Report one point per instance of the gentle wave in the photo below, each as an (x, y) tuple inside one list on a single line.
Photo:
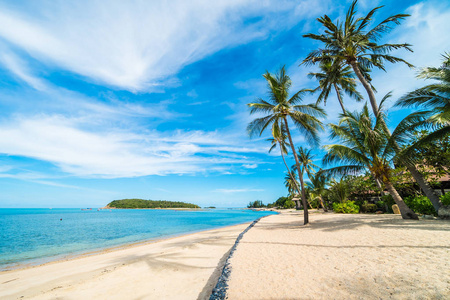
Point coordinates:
[(34, 236)]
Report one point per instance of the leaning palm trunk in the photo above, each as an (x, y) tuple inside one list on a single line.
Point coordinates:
[(418, 177), (425, 186), (297, 163), (367, 87), (339, 97), (344, 112), (322, 204), (405, 211)]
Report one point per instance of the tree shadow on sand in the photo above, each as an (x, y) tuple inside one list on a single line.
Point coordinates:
[(346, 222), (171, 257)]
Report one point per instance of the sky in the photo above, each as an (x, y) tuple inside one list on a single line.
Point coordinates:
[(105, 100)]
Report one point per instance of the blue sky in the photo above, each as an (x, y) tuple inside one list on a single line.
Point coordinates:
[(148, 99)]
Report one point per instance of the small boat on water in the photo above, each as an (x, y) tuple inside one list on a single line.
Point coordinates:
[(86, 209)]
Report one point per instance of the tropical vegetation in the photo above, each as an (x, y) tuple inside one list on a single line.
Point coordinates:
[(283, 108), (140, 203), (369, 168)]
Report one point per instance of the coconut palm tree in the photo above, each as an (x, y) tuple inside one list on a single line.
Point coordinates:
[(290, 182), (335, 76), (318, 186), (352, 43), (279, 138), (340, 77), (366, 145), (433, 101), (358, 47), (306, 159), (339, 189), (281, 107)]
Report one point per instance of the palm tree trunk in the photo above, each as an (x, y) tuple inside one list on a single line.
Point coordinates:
[(418, 177), (297, 163), (339, 98), (425, 186), (406, 212), (344, 112), (321, 203), (366, 85), (297, 205)]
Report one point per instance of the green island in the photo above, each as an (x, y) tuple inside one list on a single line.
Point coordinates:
[(141, 203)]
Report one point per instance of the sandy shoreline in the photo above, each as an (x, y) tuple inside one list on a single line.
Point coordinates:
[(335, 257), (342, 257), (34, 263), (184, 267)]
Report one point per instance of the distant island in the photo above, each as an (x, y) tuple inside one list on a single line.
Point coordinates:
[(140, 203)]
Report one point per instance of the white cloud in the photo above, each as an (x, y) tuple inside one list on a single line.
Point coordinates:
[(250, 166), (136, 45), (20, 70), (117, 153), (192, 94)]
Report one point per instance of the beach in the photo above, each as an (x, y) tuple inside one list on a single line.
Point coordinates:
[(336, 256), (341, 256), (185, 267)]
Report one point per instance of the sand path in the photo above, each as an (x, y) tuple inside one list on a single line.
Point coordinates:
[(342, 257), (185, 267)]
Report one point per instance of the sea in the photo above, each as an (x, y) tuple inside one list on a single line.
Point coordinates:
[(32, 236)]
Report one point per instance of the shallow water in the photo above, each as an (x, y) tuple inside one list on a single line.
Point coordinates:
[(33, 236)]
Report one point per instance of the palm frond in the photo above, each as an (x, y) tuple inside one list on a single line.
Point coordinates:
[(257, 126)]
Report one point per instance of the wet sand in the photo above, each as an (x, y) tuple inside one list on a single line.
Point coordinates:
[(185, 267)]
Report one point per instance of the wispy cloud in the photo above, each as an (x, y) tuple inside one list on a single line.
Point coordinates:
[(137, 45), (118, 153), (19, 68)]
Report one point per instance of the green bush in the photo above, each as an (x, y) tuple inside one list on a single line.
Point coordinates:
[(283, 202), (289, 204), (420, 205), (368, 207), (348, 207), (445, 199), (381, 205), (388, 201)]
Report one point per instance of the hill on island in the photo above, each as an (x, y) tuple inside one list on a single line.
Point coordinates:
[(140, 203)]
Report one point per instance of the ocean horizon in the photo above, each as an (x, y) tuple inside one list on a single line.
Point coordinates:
[(32, 236)]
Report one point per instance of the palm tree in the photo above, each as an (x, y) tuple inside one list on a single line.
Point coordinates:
[(358, 47), (279, 108), (335, 75), (290, 182), (340, 189), (306, 158), (340, 77), (352, 43), (318, 186), (279, 138), (434, 102), (365, 145)]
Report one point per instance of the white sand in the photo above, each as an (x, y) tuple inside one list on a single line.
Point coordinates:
[(342, 257), (185, 267), (335, 257)]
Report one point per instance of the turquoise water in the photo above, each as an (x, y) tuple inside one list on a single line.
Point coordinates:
[(32, 236)]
